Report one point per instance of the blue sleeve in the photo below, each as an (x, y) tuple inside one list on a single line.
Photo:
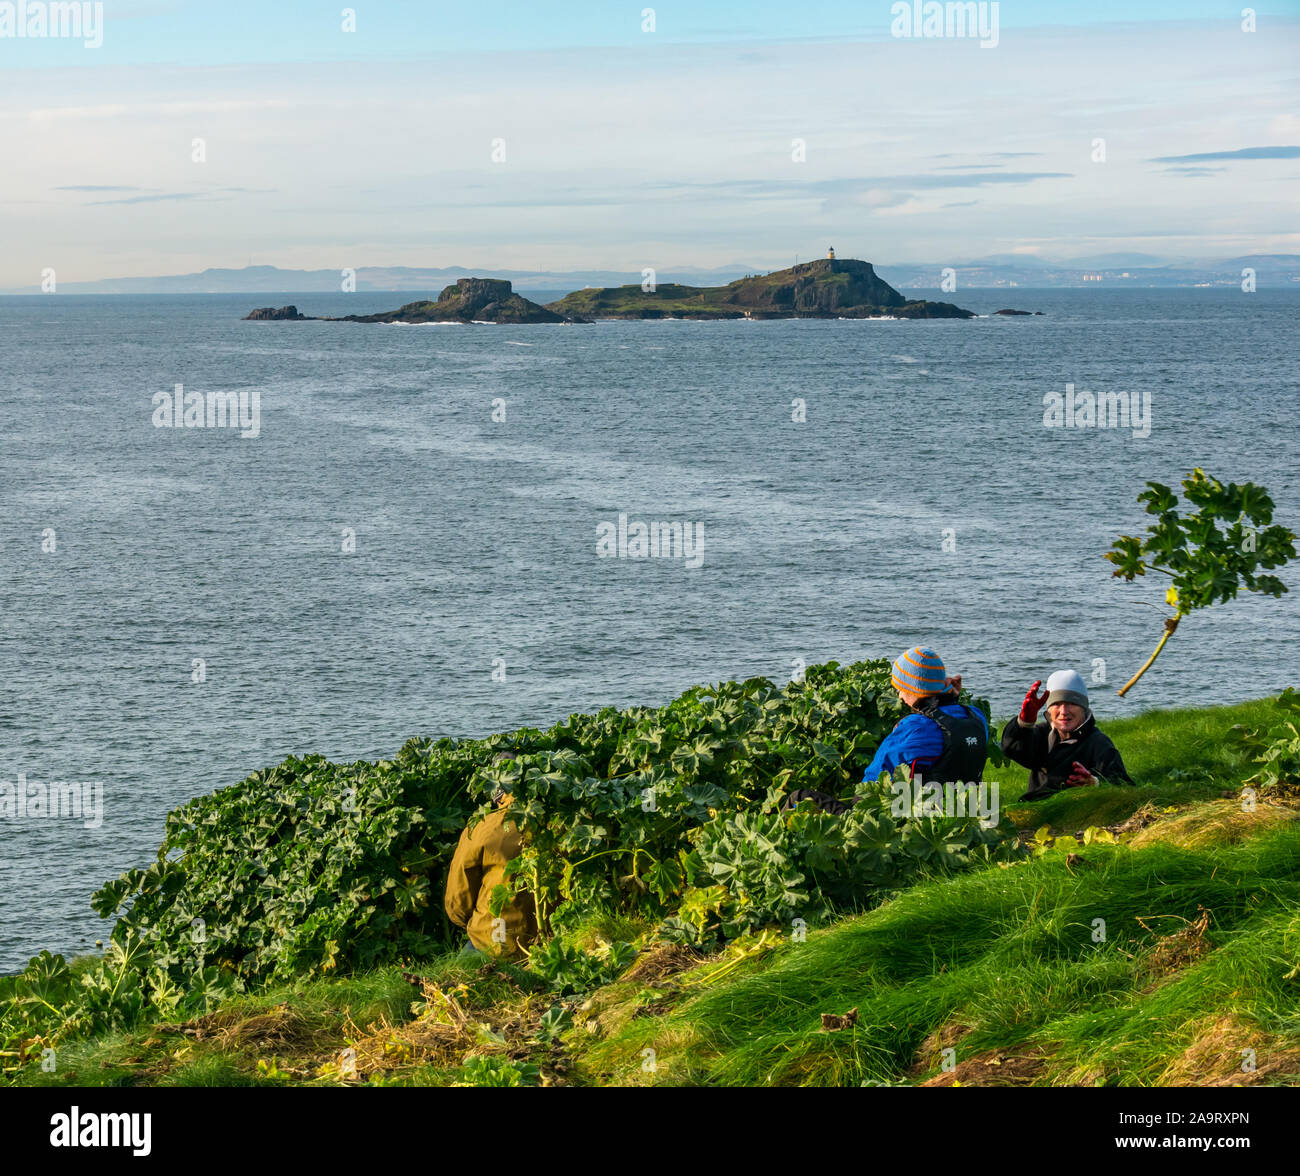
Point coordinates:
[(915, 737)]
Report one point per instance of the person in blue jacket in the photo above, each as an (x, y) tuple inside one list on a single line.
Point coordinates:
[(943, 740)]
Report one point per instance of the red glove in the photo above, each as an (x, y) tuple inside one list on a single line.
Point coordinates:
[(1079, 776), (1033, 704)]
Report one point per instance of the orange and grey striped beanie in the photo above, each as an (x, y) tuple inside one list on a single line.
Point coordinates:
[(920, 671)]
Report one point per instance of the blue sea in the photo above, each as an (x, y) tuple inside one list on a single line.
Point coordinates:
[(922, 500)]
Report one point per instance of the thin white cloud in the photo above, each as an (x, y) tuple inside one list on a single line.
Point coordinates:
[(670, 154)]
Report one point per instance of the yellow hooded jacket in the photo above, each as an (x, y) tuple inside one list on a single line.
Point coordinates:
[(479, 867)]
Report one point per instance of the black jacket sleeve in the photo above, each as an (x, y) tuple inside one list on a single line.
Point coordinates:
[(1023, 745)]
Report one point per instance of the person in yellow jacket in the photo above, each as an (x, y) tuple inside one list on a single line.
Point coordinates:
[(477, 868)]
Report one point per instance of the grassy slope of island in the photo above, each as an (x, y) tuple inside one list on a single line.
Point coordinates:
[(1001, 964), (827, 288)]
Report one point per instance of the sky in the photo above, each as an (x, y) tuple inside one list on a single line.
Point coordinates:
[(597, 134)]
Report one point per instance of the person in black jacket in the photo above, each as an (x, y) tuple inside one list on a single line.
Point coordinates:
[(1069, 750)]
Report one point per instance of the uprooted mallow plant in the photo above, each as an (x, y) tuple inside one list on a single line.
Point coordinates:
[(1208, 554)]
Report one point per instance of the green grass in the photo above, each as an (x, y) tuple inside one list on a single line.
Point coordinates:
[(669, 299), (1009, 956), (1002, 966)]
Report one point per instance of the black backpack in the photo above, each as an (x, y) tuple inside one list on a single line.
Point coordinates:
[(965, 746)]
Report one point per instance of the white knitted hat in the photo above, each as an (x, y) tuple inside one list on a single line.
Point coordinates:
[(1067, 686)]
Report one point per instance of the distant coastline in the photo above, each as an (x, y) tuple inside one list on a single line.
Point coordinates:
[(1120, 271)]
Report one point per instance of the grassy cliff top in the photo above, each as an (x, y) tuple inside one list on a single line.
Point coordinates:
[(1192, 967)]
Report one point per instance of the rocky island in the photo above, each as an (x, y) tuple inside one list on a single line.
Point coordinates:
[(470, 300), (826, 288), (270, 314)]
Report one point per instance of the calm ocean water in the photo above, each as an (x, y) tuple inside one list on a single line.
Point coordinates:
[(476, 539)]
